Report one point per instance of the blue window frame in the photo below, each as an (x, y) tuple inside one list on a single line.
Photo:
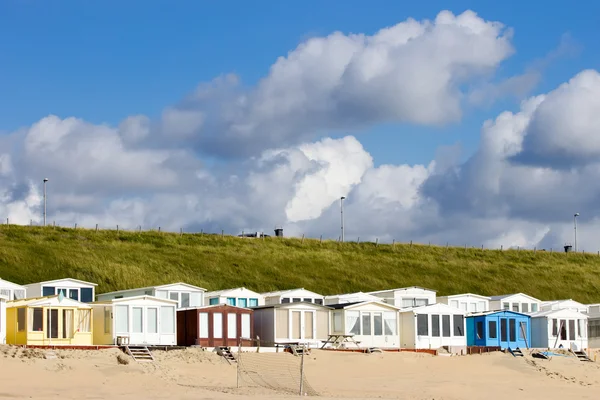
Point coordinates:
[(253, 302), (243, 302), (213, 301), (231, 301), (48, 291)]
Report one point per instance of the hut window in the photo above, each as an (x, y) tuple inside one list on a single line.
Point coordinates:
[(534, 307), (481, 306), (525, 307), (563, 329), (85, 320), (492, 330), (243, 302), (522, 330), (285, 300), (366, 324), (231, 301), (48, 291), (377, 324), (459, 324), (580, 327), (21, 322), (74, 294), (52, 317), (231, 326), (571, 329), (253, 302), (38, 319), (506, 306), (67, 324), (422, 325), (308, 300), (87, 295), (246, 325), (512, 329), (463, 306), (515, 307), (217, 325), (213, 301), (446, 325), (472, 307), (174, 296), (421, 302), (337, 322), (19, 294), (203, 328), (454, 303), (152, 319), (107, 320), (167, 320), (296, 300), (138, 320), (122, 319), (407, 302), (435, 325), (389, 323), (185, 300), (554, 327), (353, 322), (503, 328), (319, 301), (480, 333)]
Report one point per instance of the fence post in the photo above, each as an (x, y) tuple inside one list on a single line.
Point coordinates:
[(96, 227), (159, 229), (376, 242), (6, 221), (411, 243), (320, 239), (117, 228), (302, 241), (481, 247), (222, 233), (180, 231), (393, 244), (429, 244), (75, 225), (501, 247), (302, 370), (534, 250), (31, 222), (242, 233), (550, 249), (201, 232), (358, 240)]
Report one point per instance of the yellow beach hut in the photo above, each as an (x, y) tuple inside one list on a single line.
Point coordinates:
[(49, 321)]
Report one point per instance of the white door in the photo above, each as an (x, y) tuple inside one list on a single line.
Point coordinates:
[(137, 326), (152, 335)]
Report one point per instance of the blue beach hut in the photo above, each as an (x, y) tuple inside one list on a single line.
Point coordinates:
[(504, 329)]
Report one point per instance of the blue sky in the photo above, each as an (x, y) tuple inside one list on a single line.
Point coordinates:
[(103, 61)]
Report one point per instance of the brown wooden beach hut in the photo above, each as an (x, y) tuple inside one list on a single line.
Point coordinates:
[(213, 326)]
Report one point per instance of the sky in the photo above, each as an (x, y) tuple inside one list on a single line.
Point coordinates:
[(445, 122)]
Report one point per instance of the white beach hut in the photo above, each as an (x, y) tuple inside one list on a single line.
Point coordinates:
[(292, 296), (564, 305), (467, 302), (139, 320), (372, 323), (518, 302), (12, 291), (349, 298), (559, 329), (3, 300), (432, 327), (594, 326), (292, 323), (73, 289), (186, 295), (239, 297), (413, 296)]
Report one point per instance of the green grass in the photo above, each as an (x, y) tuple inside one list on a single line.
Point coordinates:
[(122, 260)]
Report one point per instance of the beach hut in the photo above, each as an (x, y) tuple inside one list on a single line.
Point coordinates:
[(186, 295), (372, 323), (12, 291), (292, 296), (50, 320), (518, 302), (559, 329), (504, 329), (472, 303), (564, 305), (73, 289), (594, 326), (3, 300), (413, 296), (139, 320), (432, 327), (214, 326), (240, 297), (349, 298), (292, 323)]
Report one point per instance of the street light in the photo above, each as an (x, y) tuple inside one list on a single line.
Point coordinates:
[(45, 181), (342, 215), (575, 228)]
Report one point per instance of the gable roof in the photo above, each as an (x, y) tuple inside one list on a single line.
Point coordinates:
[(403, 288), (134, 298), (9, 284), (355, 294), (217, 305), (463, 295), (62, 279), (433, 307), (47, 301), (287, 305), (159, 287), (284, 292), (361, 303), (220, 292), (566, 301), (506, 296), (487, 313), (559, 313)]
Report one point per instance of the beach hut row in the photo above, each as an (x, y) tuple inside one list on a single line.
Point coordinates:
[(69, 312)]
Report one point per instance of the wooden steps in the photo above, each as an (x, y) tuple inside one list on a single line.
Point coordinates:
[(139, 353), (226, 353), (516, 352), (581, 355)]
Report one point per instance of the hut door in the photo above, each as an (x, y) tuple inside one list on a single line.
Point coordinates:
[(308, 324), (152, 335), (137, 326), (503, 333), (52, 321), (296, 324)]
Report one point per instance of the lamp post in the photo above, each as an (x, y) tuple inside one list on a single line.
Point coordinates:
[(45, 181), (342, 215), (575, 228)]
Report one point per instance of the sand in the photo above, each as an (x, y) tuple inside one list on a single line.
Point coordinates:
[(196, 374)]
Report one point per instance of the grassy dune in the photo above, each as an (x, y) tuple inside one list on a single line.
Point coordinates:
[(121, 260)]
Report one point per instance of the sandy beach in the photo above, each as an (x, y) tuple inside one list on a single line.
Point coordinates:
[(197, 374)]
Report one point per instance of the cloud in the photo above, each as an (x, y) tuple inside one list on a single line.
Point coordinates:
[(410, 72)]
